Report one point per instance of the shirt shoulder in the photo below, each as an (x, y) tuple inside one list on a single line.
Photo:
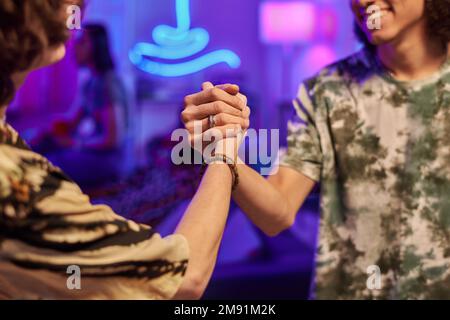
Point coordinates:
[(9, 136), (356, 68)]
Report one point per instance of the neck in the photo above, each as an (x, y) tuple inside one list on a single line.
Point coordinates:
[(2, 112), (414, 55)]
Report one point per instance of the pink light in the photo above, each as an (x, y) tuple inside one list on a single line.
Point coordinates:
[(315, 59), (328, 24), (287, 22)]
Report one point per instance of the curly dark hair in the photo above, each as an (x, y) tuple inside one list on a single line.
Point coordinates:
[(438, 19), (23, 24)]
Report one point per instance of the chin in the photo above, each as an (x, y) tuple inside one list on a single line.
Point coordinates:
[(380, 37)]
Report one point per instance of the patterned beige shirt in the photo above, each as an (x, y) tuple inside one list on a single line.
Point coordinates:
[(47, 224)]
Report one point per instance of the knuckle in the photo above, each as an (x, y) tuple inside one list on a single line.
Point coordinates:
[(242, 98), (183, 117), (246, 113), (229, 109), (187, 100), (220, 119), (188, 114), (215, 93), (222, 106), (234, 110), (216, 108)]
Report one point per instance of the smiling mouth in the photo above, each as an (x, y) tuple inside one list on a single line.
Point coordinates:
[(368, 14)]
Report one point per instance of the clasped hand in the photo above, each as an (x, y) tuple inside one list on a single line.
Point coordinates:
[(216, 118)]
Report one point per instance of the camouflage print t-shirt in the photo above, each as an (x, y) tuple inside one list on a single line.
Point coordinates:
[(381, 150), (54, 244)]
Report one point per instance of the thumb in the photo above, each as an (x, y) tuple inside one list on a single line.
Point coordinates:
[(207, 85)]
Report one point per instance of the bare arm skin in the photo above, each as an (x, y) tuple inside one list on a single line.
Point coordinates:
[(204, 221), (203, 225), (272, 204)]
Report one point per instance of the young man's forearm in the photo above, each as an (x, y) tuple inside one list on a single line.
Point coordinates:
[(261, 201), (202, 226), (272, 204)]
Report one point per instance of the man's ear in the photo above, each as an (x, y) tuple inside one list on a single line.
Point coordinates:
[(51, 56)]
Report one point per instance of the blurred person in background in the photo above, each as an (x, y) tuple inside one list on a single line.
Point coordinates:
[(374, 130), (48, 226), (91, 137)]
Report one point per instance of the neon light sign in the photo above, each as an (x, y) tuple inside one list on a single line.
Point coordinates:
[(179, 43)]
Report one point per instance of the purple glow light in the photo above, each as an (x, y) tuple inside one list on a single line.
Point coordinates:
[(287, 22)]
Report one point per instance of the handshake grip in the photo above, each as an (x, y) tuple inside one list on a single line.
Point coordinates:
[(229, 144)]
